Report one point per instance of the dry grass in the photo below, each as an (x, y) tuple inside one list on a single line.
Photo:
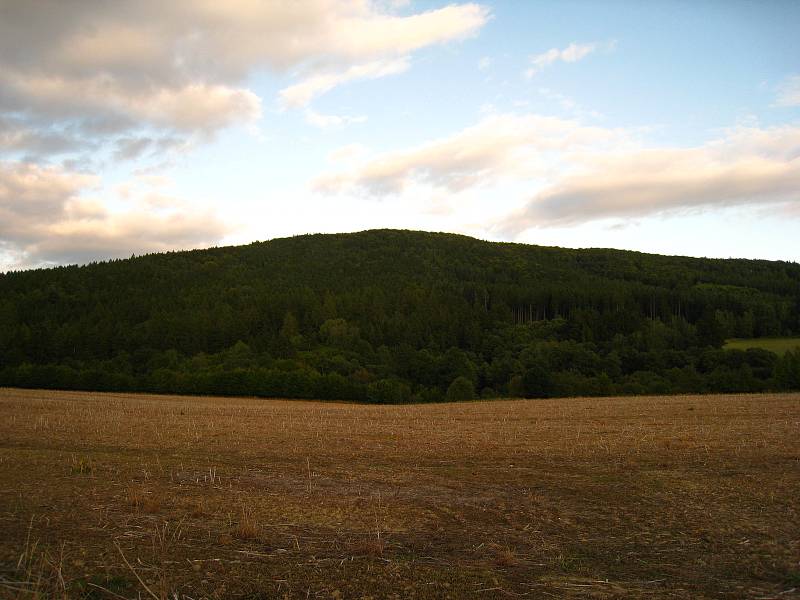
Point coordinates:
[(109, 495), (247, 528)]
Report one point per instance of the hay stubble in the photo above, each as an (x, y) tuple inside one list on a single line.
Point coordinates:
[(683, 497)]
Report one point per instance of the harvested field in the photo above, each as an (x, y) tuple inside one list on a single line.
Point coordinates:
[(114, 495)]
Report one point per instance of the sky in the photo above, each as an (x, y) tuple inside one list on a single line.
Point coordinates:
[(137, 126)]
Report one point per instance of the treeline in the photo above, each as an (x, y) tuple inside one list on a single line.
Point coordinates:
[(398, 316)]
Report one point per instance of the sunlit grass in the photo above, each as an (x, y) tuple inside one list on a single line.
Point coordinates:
[(774, 344)]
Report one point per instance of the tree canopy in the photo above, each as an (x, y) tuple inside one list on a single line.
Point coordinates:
[(399, 316)]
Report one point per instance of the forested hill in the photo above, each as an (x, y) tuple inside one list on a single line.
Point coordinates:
[(392, 316)]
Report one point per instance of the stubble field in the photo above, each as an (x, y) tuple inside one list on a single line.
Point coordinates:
[(114, 495)]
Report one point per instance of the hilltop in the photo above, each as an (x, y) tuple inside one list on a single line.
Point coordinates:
[(395, 316)]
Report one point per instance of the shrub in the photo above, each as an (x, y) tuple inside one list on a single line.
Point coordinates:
[(461, 389), (388, 391)]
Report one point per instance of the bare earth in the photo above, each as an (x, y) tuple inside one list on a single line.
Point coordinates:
[(648, 497)]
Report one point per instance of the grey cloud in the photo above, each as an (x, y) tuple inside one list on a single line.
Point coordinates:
[(181, 65), (21, 137), (130, 148), (168, 40), (35, 144), (134, 147), (87, 81)]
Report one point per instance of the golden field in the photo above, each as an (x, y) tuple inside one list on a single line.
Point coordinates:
[(137, 496)]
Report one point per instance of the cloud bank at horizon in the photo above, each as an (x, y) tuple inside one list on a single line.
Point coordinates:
[(86, 84), (586, 173)]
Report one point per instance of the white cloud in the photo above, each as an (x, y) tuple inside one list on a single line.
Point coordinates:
[(568, 104), (30, 194), (300, 94), (572, 53), (331, 121), (220, 41), (86, 83), (498, 146), (193, 107), (484, 63), (747, 167), (48, 215), (348, 153), (577, 173), (789, 92), (110, 68)]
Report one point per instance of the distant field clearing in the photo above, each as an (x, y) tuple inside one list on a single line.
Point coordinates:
[(120, 495), (777, 345)]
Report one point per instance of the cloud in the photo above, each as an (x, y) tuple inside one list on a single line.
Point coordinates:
[(498, 146), (107, 69), (577, 173), (16, 137), (749, 166), (192, 107), (30, 194), (87, 83), (789, 92), (300, 94), (48, 215), (568, 104), (347, 153), (136, 146), (572, 53), (331, 121)]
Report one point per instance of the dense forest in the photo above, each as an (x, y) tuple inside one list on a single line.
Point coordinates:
[(399, 316)]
